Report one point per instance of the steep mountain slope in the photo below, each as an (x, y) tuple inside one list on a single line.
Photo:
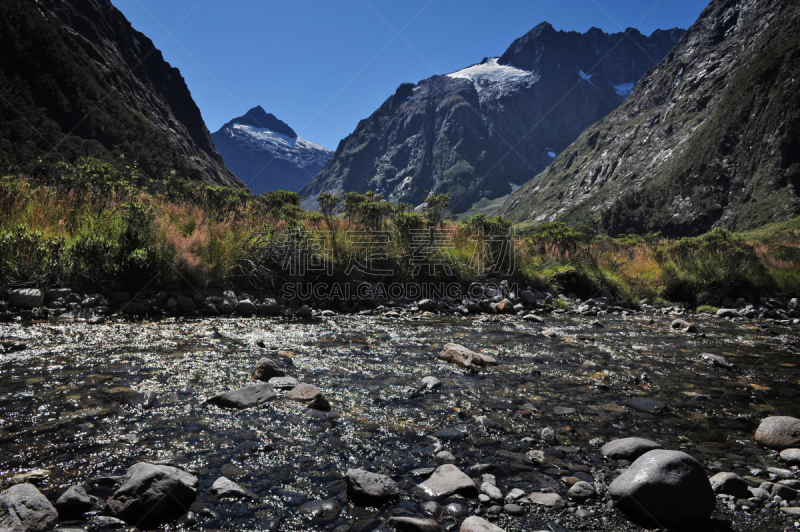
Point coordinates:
[(479, 132), (76, 79), (266, 154), (711, 137)]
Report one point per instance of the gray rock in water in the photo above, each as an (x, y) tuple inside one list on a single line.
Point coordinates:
[(779, 432), (224, 488), (728, 313), (27, 298), (628, 448), (478, 524), (247, 397), (466, 358), (549, 500), (320, 510), (791, 456), (715, 360), (665, 486), (151, 495), (447, 480), (427, 304), (513, 509), (729, 484), (24, 509), (283, 383), (309, 395), (492, 491), (683, 326), (581, 491), (532, 317), (645, 404), (430, 382), (245, 307), (445, 456), (413, 524), (370, 489), (266, 369), (149, 398), (304, 312), (73, 502)]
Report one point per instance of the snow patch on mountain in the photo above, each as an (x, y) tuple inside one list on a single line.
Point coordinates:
[(624, 90), (490, 71), (276, 139)]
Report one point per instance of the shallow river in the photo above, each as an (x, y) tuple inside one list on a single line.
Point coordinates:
[(70, 404)]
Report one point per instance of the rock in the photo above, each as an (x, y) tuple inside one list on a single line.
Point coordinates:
[(728, 313), (513, 509), (34, 476), (151, 495), (478, 524), (549, 500), (461, 356), (779, 432), (492, 491), (505, 307), (430, 382), (581, 490), (791, 456), (73, 502), (245, 307), (413, 524), (715, 360), (225, 488), (283, 383), (370, 489), (729, 484), (266, 369), (683, 326), (447, 480), (310, 395), (628, 448), (664, 486), (644, 404), (24, 509), (304, 312), (149, 398), (269, 307), (320, 510), (532, 317), (445, 456), (427, 305), (548, 435), (186, 304), (28, 298), (247, 397)]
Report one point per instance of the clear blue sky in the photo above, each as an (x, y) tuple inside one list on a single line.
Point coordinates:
[(323, 65)]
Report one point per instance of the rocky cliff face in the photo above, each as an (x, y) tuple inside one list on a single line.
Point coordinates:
[(478, 133), (711, 137), (266, 154), (77, 80)]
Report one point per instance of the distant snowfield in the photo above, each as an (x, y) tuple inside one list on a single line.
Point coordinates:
[(276, 139), (624, 90), (491, 71)]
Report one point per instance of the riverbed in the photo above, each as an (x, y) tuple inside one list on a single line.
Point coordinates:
[(71, 404)]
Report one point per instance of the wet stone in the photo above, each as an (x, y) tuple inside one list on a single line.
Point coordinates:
[(644, 404), (310, 396), (478, 524), (24, 509), (370, 489), (320, 510), (73, 502), (266, 369), (283, 383), (466, 358), (628, 448), (225, 488), (779, 432), (413, 524), (791, 456), (448, 480), (246, 397), (581, 491), (549, 500), (430, 383), (513, 509)]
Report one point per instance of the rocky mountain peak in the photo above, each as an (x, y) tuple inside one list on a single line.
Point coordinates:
[(259, 118)]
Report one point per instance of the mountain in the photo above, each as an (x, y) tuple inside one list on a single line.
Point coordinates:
[(478, 133), (266, 154), (77, 80), (709, 138)]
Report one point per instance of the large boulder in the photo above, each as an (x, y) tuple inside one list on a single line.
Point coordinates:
[(151, 495), (26, 298), (628, 448), (447, 480), (664, 486), (479, 524), (466, 358), (370, 489), (309, 395), (24, 509), (779, 432), (247, 397)]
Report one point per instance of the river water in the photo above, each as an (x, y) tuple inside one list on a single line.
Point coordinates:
[(70, 404)]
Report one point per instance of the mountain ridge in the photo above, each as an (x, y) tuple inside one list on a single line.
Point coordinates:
[(709, 138), (469, 133)]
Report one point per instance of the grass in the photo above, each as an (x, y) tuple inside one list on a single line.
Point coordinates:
[(99, 229)]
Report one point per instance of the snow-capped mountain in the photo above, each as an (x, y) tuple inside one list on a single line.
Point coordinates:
[(479, 132), (266, 154)]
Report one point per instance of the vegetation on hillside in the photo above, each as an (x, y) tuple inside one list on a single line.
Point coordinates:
[(102, 229)]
